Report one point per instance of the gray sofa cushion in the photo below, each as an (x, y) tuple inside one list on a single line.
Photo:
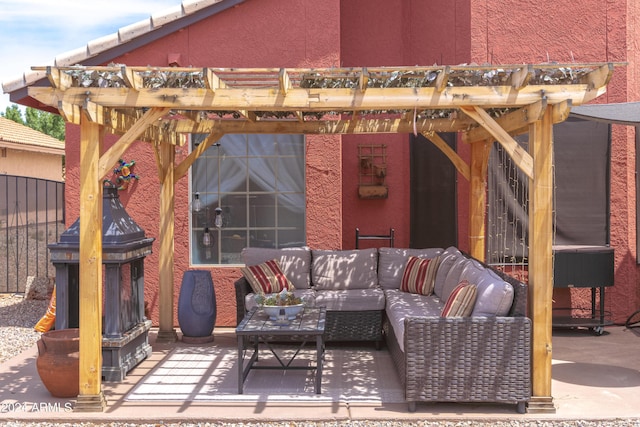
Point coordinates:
[(392, 261), (495, 296), (339, 270), (295, 262), (447, 258), (453, 277), (401, 305), (351, 299)]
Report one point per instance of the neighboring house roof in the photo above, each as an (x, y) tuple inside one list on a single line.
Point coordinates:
[(104, 49), (20, 137)]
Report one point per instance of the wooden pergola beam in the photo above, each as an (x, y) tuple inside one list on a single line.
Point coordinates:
[(442, 79), (520, 157), (356, 125), (363, 79), (58, 79), (478, 198), (115, 152), (92, 110), (520, 77), (318, 99), (166, 331), (599, 77), (69, 112), (91, 397), (182, 169), (118, 122), (284, 81), (131, 78), (541, 262), (212, 80), (560, 112), (510, 122)]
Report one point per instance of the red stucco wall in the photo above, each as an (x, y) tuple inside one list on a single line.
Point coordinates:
[(375, 33), (308, 33)]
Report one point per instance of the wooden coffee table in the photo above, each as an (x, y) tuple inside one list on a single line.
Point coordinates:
[(256, 328)]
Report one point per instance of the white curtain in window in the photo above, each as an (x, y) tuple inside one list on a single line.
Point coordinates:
[(263, 171)]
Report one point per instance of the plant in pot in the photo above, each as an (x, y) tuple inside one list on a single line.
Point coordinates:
[(281, 306)]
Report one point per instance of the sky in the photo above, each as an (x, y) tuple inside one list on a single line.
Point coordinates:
[(34, 32)]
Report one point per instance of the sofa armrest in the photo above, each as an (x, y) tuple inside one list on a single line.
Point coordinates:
[(468, 359), (519, 307), (242, 290)]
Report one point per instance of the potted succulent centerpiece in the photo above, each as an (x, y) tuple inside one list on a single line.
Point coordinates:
[(281, 306)]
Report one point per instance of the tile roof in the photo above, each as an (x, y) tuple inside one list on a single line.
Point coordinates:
[(126, 34), (20, 137)]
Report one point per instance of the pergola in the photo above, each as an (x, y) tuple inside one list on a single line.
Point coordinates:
[(162, 105)]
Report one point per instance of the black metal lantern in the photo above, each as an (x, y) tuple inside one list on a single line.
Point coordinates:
[(125, 341)]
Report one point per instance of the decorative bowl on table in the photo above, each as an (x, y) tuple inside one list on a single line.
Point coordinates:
[(277, 312), (281, 306)]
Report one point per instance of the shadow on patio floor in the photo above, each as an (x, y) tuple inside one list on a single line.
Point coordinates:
[(594, 378)]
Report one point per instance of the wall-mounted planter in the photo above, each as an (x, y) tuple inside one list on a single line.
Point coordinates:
[(373, 191)]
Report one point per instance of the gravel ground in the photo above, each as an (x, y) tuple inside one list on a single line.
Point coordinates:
[(18, 317), (470, 423)]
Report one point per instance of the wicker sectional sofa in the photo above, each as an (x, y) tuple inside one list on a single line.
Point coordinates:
[(345, 282), (484, 357)]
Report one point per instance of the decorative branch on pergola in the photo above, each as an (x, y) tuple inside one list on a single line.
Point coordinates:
[(334, 100)]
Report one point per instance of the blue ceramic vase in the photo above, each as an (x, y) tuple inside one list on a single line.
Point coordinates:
[(197, 304)]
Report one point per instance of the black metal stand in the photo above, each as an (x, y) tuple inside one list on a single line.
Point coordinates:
[(584, 267)]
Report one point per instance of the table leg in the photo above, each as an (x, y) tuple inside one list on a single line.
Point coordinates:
[(242, 370), (319, 361), (240, 363)]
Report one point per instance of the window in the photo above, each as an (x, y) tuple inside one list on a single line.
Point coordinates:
[(254, 185)]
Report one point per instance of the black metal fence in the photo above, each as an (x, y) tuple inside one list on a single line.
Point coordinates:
[(31, 217)]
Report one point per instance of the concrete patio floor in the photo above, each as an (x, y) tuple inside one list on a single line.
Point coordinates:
[(595, 378)]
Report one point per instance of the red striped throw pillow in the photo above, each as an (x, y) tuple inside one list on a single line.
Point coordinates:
[(418, 276), (267, 277), (461, 301)]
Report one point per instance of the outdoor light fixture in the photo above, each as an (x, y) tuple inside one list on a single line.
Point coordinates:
[(207, 242), (207, 239), (196, 206), (218, 220)]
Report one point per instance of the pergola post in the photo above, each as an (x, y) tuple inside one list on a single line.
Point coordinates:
[(166, 332), (478, 198), (541, 261), (91, 397)]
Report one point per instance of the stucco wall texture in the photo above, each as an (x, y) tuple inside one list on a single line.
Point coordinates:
[(33, 165), (308, 33)]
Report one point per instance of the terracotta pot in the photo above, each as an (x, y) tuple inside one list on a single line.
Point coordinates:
[(58, 364)]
